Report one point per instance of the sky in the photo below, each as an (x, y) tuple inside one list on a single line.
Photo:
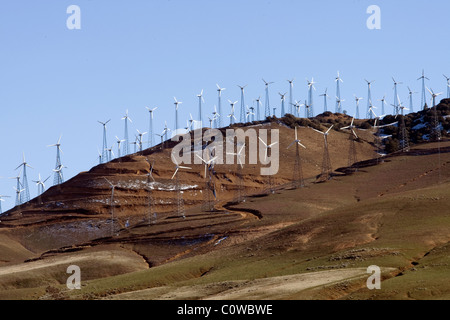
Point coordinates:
[(128, 55)]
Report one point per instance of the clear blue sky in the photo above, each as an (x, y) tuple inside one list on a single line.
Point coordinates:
[(133, 54)]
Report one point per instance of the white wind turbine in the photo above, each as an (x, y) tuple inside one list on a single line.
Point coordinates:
[(296, 140), (112, 204), (177, 167), (240, 187), (383, 102), (448, 86), (357, 99), (150, 126), (180, 203), (267, 147), (57, 179), (326, 162), (119, 142), (140, 136), (200, 100), (248, 114), (218, 119), (41, 184), (338, 104), (231, 115), (325, 96), (176, 103), (125, 145)]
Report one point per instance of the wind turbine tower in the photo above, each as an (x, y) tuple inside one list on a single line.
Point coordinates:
[(291, 101), (423, 95), (396, 99), (310, 98), (357, 106), (179, 210), (327, 170), (58, 178), (176, 103), (435, 130), (411, 107), (325, 96), (219, 119), (297, 177), (25, 188), (150, 127), (127, 142), (105, 143), (383, 102), (267, 103), (200, 100), (338, 107), (258, 108), (352, 155), (448, 86), (283, 99), (369, 98), (242, 114)]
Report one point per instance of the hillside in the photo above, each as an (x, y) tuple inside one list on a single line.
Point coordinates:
[(320, 238)]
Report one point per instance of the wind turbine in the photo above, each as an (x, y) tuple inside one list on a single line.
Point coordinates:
[(267, 103), (310, 98), (423, 96), (58, 171), (150, 126), (150, 197), (200, 100), (112, 205), (19, 200), (248, 114), (41, 184), (239, 196), (338, 93), (26, 190), (119, 142), (242, 113), (396, 99), (326, 173), (403, 139), (338, 104), (411, 99), (17, 188), (297, 177), (291, 86), (140, 136), (325, 96), (436, 132), (357, 106), (448, 86), (176, 103), (180, 203), (352, 155), (231, 115), (57, 178), (125, 145), (283, 99), (267, 147), (369, 97), (105, 144), (383, 102), (258, 107), (218, 119), (371, 113), (297, 106)]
